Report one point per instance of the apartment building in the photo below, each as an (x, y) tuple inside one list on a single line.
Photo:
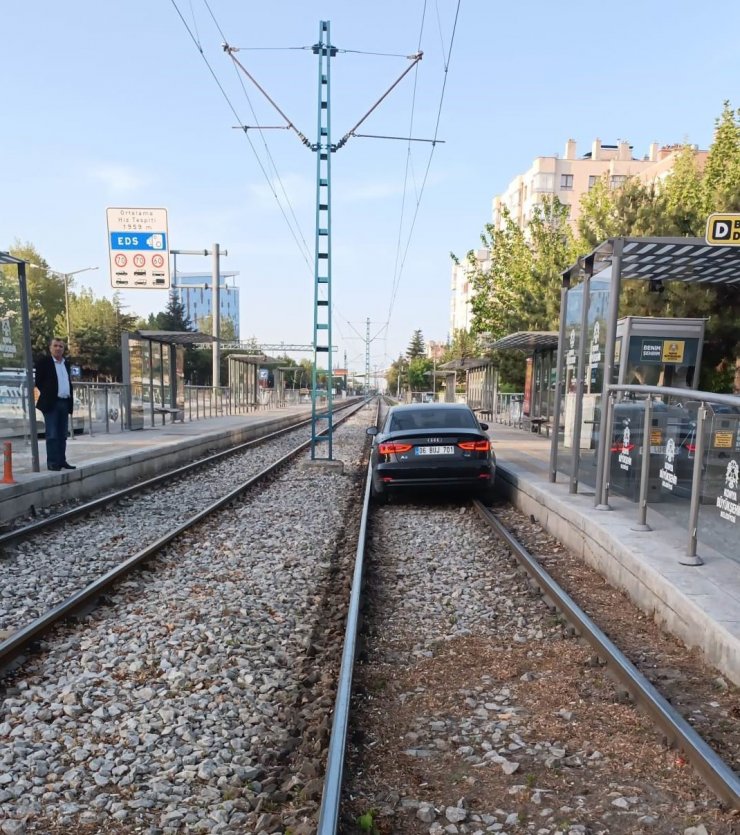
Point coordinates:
[(461, 315), (569, 177)]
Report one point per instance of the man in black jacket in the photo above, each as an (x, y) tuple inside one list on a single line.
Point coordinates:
[(54, 382)]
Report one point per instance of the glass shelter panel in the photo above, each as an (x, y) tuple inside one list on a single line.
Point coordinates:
[(574, 301), (598, 302), (13, 382), (720, 487)]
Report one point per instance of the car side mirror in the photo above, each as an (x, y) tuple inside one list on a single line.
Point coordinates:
[(372, 430), (484, 427)]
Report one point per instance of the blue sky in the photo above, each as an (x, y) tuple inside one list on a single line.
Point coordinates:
[(110, 104)]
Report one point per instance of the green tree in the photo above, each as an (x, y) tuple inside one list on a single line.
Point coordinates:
[(226, 327), (684, 195), (635, 208), (45, 295), (95, 333), (520, 290), (464, 345), (419, 374), (417, 346), (722, 169), (172, 318), (394, 376)]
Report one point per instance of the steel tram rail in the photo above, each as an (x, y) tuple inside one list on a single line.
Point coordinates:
[(718, 776), (80, 510), (331, 796), (13, 646)]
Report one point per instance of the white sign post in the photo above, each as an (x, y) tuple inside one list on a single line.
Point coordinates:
[(138, 243)]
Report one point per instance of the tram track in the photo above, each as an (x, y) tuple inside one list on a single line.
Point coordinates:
[(20, 530), (392, 779), (492, 715), (197, 698), (109, 549)]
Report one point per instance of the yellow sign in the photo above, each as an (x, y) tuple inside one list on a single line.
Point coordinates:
[(723, 229), (673, 350), (723, 440), (656, 437)]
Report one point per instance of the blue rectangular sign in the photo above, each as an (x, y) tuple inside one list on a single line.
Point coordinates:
[(151, 241)]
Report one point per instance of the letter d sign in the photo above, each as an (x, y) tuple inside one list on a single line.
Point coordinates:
[(720, 229)]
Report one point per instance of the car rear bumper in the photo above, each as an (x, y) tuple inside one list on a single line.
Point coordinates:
[(394, 476)]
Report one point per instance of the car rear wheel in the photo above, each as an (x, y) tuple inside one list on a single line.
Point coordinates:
[(487, 494), (378, 494)]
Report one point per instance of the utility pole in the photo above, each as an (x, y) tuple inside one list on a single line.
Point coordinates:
[(367, 357), (216, 252), (216, 317)]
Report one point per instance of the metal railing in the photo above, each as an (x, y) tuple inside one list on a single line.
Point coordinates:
[(679, 448), (507, 408), (99, 407)]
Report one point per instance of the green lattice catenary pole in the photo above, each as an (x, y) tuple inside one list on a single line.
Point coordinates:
[(322, 343)]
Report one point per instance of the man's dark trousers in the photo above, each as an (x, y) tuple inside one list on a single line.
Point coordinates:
[(56, 423)]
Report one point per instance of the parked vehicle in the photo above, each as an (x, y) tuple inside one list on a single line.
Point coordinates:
[(440, 445)]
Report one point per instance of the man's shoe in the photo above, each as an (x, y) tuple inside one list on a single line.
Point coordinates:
[(54, 467), (66, 466)]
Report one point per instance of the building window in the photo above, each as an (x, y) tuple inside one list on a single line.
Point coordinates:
[(617, 180), (592, 180), (566, 181), (543, 182)]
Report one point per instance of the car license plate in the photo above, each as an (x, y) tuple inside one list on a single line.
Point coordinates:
[(435, 450), (657, 450)]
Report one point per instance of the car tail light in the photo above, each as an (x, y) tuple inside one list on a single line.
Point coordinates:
[(475, 446), (389, 447)]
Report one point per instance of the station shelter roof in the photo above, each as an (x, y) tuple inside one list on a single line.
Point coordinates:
[(464, 364), (174, 337), (7, 258), (690, 260), (257, 359), (527, 341)]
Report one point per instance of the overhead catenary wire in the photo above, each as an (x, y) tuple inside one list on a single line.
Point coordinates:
[(240, 121), (406, 169), (305, 252), (429, 161)]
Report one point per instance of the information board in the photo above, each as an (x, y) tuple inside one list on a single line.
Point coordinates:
[(138, 243)]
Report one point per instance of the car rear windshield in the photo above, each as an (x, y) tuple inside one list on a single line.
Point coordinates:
[(427, 417)]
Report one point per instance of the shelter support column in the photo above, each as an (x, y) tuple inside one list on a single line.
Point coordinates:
[(557, 405), (611, 339), (28, 352), (575, 461)]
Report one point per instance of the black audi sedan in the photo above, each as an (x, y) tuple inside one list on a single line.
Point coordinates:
[(436, 445)]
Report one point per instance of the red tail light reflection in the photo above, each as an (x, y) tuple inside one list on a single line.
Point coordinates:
[(475, 446), (388, 448)]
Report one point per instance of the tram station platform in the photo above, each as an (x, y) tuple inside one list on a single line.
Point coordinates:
[(110, 461), (698, 604)]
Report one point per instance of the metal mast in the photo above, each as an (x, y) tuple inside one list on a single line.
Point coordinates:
[(367, 357), (322, 266)]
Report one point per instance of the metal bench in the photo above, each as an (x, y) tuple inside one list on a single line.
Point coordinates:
[(536, 424), (177, 414)]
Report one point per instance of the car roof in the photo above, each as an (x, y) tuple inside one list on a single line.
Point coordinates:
[(407, 407)]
